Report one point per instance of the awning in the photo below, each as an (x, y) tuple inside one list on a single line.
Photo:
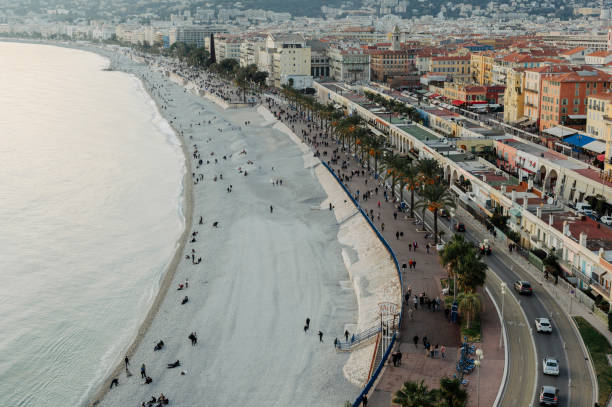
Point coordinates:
[(579, 140), (479, 102), (457, 102), (522, 119), (433, 95), (595, 146), (559, 131)]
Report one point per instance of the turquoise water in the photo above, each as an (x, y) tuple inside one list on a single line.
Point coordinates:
[(90, 192)]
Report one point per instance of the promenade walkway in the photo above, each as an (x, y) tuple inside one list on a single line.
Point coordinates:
[(401, 232)]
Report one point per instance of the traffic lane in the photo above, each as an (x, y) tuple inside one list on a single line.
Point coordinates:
[(521, 358), (581, 386), (546, 344)]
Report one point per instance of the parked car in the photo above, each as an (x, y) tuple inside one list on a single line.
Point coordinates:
[(550, 366), (549, 396), (606, 219), (584, 207), (444, 213), (523, 287), (460, 227), (543, 325)]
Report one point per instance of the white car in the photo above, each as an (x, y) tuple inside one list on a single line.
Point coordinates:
[(550, 366), (543, 325), (606, 219)]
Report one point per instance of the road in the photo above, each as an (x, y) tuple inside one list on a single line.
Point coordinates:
[(574, 380)]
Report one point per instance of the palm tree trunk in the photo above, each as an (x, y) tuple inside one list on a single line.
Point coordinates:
[(412, 202), (423, 217), (436, 227)]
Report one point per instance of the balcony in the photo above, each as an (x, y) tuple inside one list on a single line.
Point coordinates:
[(530, 90)]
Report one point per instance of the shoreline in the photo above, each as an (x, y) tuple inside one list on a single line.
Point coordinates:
[(187, 204)]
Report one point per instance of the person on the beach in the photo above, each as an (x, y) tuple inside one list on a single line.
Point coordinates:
[(143, 371), (320, 336), (127, 362), (271, 209), (114, 382), (346, 334)]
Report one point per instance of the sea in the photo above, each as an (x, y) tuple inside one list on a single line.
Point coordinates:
[(90, 216)]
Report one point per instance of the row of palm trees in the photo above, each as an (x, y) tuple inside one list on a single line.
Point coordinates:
[(400, 171), (464, 265)]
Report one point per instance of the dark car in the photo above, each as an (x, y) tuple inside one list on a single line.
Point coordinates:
[(549, 396), (460, 227), (523, 287), (444, 213)]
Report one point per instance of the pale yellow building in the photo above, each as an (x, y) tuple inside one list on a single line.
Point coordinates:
[(514, 95), (481, 67), (607, 118), (456, 67), (596, 108)]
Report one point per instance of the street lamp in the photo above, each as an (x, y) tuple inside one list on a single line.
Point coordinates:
[(503, 287), (479, 357)]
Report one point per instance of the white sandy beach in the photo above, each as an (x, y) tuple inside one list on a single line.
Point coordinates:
[(262, 274)]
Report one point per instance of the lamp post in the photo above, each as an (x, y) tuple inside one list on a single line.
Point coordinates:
[(479, 357), (503, 287)]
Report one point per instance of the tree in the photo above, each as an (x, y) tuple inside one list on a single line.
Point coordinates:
[(451, 394), (430, 170), (453, 252), (415, 395), (551, 265), (469, 305), (435, 197), (213, 54), (471, 271), (410, 175)]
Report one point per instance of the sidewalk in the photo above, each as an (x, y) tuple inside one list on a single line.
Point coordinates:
[(425, 278)]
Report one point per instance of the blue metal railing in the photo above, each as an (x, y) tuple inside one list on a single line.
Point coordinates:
[(358, 338), (380, 366)]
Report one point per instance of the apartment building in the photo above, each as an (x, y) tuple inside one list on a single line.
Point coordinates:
[(249, 50), (514, 95), (564, 97), (349, 65), (193, 34), (228, 47), (481, 67), (608, 138), (319, 59), (596, 109), (284, 56), (533, 87), (455, 67), (598, 58)]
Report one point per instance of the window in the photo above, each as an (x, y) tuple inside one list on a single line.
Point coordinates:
[(564, 101), (564, 110), (575, 110), (576, 101)]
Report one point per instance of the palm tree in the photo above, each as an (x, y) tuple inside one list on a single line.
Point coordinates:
[(436, 197), (451, 394), (376, 145), (469, 305), (471, 271), (414, 394), (429, 169), (392, 164), (410, 176), (451, 255)]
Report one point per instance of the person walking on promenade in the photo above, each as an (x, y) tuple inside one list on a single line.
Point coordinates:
[(409, 247), (427, 247), (425, 341), (416, 302), (415, 339), (443, 351), (143, 371), (364, 400), (320, 336), (397, 235)]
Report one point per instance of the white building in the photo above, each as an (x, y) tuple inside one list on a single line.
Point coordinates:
[(227, 47), (282, 56), (349, 65)]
